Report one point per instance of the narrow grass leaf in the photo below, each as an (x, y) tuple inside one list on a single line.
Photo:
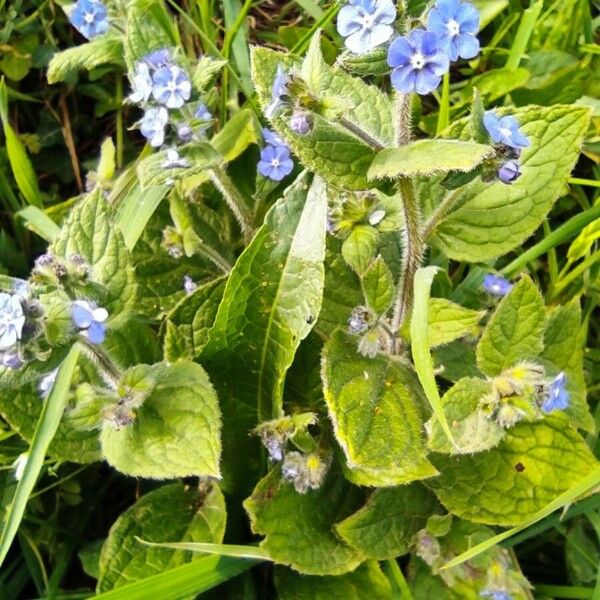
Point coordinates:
[(44, 432), (232, 550), (526, 27), (419, 334), (39, 222), (584, 485)]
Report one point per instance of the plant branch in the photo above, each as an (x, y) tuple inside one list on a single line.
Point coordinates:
[(361, 134), (234, 198), (448, 204), (106, 368), (403, 119)]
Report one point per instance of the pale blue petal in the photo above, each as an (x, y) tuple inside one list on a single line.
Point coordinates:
[(467, 46), (399, 52), (348, 20), (404, 79)]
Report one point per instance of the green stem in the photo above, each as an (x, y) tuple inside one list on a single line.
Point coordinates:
[(562, 283), (397, 579), (213, 256), (119, 123), (361, 134), (565, 232), (234, 198), (449, 204), (106, 368), (403, 119), (413, 249)]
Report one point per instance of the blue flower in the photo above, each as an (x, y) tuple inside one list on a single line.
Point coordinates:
[(557, 397), (89, 17), (496, 594), (174, 161), (185, 133), (275, 162), (278, 93), (12, 320), (46, 383), (456, 23), (158, 58), (89, 320), (271, 138), (203, 113), (496, 285), (171, 86), (300, 122), (509, 172), (366, 24), (153, 125), (141, 84), (189, 285), (419, 61), (505, 130)]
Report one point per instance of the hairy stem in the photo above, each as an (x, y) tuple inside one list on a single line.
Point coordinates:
[(212, 255), (109, 372), (448, 205), (403, 119), (234, 198), (412, 253), (361, 134)]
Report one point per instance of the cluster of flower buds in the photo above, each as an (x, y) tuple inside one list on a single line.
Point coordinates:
[(305, 471), (163, 88)]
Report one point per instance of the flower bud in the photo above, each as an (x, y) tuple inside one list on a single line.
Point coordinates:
[(300, 122), (509, 172)]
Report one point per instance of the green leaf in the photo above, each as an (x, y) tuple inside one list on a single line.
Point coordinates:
[(376, 408), (504, 216), (420, 347), (17, 156), (200, 156), (386, 525), (271, 301), (106, 164), (583, 243), (39, 222), (237, 134), (205, 71), (340, 157), (496, 487), (90, 233), (44, 432), (173, 512), (360, 246), (23, 409), (102, 50), (428, 157), (175, 432), (472, 429), (515, 331), (342, 290), (190, 320), (448, 321), (299, 527), (371, 63), (149, 28), (378, 286), (365, 583), (563, 348)]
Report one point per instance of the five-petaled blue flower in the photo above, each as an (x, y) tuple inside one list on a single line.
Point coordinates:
[(418, 61), (557, 397), (278, 92), (275, 162), (171, 86), (152, 125), (12, 320), (456, 23), (496, 285), (89, 320), (366, 24), (141, 83), (505, 130), (509, 172), (89, 17)]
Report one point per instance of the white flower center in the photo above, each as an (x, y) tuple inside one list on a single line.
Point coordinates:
[(417, 61), (275, 162), (505, 132), (88, 17), (453, 27), (368, 21), (171, 86)]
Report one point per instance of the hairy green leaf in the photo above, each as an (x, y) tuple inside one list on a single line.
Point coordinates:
[(449, 321), (515, 331), (175, 432), (531, 466), (173, 512), (385, 526), (378, 286), (360, 246), (427, 157), (376, 407), (299, 527)]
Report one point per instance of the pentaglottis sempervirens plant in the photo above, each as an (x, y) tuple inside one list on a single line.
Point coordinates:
[(264, 308)]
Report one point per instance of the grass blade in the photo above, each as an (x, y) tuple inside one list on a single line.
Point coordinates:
[(231, 550), (526, 27), (584, 485), (44, 432), (187, 580), (39, 222), (444, 114), (419, 336)]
